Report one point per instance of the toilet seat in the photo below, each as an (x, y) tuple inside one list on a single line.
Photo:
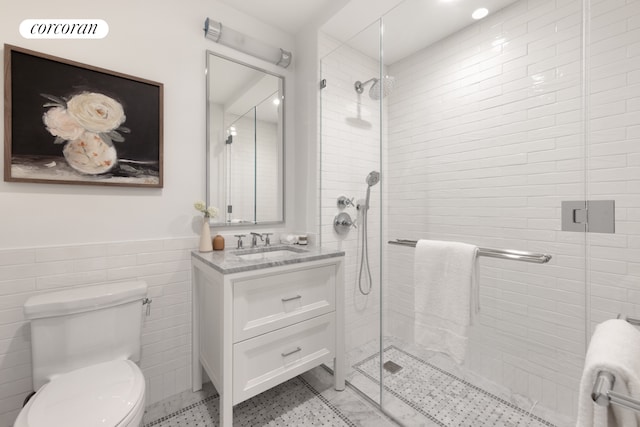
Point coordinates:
[(108, 394)]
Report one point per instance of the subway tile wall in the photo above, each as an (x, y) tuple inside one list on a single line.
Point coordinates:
[(350, 150), (166, 336), (486, 138), (614, 156), (484, 145)]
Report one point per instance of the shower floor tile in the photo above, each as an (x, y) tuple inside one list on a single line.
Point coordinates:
[(440, 397)]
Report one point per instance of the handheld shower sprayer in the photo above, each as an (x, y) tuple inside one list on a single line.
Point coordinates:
[(372, 179)]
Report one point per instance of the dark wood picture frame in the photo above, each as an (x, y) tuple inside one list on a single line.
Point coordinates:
[(71, 123)]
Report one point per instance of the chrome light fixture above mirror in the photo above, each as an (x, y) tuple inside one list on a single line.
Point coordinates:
[(213, 30)]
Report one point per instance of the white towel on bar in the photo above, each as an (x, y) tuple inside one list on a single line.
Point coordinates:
[(614, 347), (446, 295)]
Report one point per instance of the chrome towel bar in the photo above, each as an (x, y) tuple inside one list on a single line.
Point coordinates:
[(630, 320), (493, 253), (604, 395)]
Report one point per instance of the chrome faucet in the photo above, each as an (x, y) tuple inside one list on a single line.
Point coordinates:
[(254, 239)]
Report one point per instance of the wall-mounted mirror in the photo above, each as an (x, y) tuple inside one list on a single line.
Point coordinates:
[(245, 143)]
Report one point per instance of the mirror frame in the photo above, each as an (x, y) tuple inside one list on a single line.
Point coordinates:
[(282, 162)]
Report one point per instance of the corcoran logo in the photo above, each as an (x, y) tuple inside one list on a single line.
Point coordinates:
[(64, 29)]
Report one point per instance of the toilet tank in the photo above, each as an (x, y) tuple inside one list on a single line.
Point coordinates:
[(79, 327)]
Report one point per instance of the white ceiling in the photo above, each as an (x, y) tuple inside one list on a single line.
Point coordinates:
[(410, 25), (288, 15)]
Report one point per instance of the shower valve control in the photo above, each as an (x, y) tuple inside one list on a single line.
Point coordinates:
[(342, 223), (345, 202)]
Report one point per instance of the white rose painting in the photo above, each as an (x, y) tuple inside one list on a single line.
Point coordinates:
[(77, 124), (87, 124)]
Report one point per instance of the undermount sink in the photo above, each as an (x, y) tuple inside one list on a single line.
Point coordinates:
[(266, 253)]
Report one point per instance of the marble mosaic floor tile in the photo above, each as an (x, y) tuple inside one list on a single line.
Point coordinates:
[(443, 398), (293, 403)]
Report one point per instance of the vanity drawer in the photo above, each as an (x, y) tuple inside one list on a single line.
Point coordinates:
[(267, 302), (265, 361)]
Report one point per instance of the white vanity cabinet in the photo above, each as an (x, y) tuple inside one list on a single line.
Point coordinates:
[(258, 326)]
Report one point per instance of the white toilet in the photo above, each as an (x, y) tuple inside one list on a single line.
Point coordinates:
[(84, 343)]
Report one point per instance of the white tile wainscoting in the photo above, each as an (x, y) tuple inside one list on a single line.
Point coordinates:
[(166, 336)]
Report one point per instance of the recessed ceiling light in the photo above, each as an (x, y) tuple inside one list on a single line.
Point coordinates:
[(276, 101), (480, 13)]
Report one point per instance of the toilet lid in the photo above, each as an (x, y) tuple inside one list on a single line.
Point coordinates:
[(99, 395)]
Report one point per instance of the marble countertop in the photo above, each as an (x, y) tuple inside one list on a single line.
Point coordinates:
[(228, 261)]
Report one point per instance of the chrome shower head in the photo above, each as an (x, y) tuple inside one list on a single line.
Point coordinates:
[(386, 84), (373, 178)]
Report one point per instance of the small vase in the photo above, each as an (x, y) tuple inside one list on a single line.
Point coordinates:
[(218, 243), (205, 237), (90, 154)]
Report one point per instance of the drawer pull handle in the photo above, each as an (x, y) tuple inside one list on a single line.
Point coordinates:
[(291, 298), (289, 353)]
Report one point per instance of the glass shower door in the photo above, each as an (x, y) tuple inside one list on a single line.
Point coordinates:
[(613, 158), (350, 157), (487, 130), (484, 139)]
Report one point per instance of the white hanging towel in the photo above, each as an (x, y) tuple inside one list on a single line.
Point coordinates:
[(614, 347), (446, 295)]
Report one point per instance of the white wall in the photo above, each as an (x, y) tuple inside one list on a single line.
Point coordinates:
[(55, 236), (138, 44), (307, 130)]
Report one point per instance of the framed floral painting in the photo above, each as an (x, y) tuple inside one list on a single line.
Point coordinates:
[(72, 123)]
